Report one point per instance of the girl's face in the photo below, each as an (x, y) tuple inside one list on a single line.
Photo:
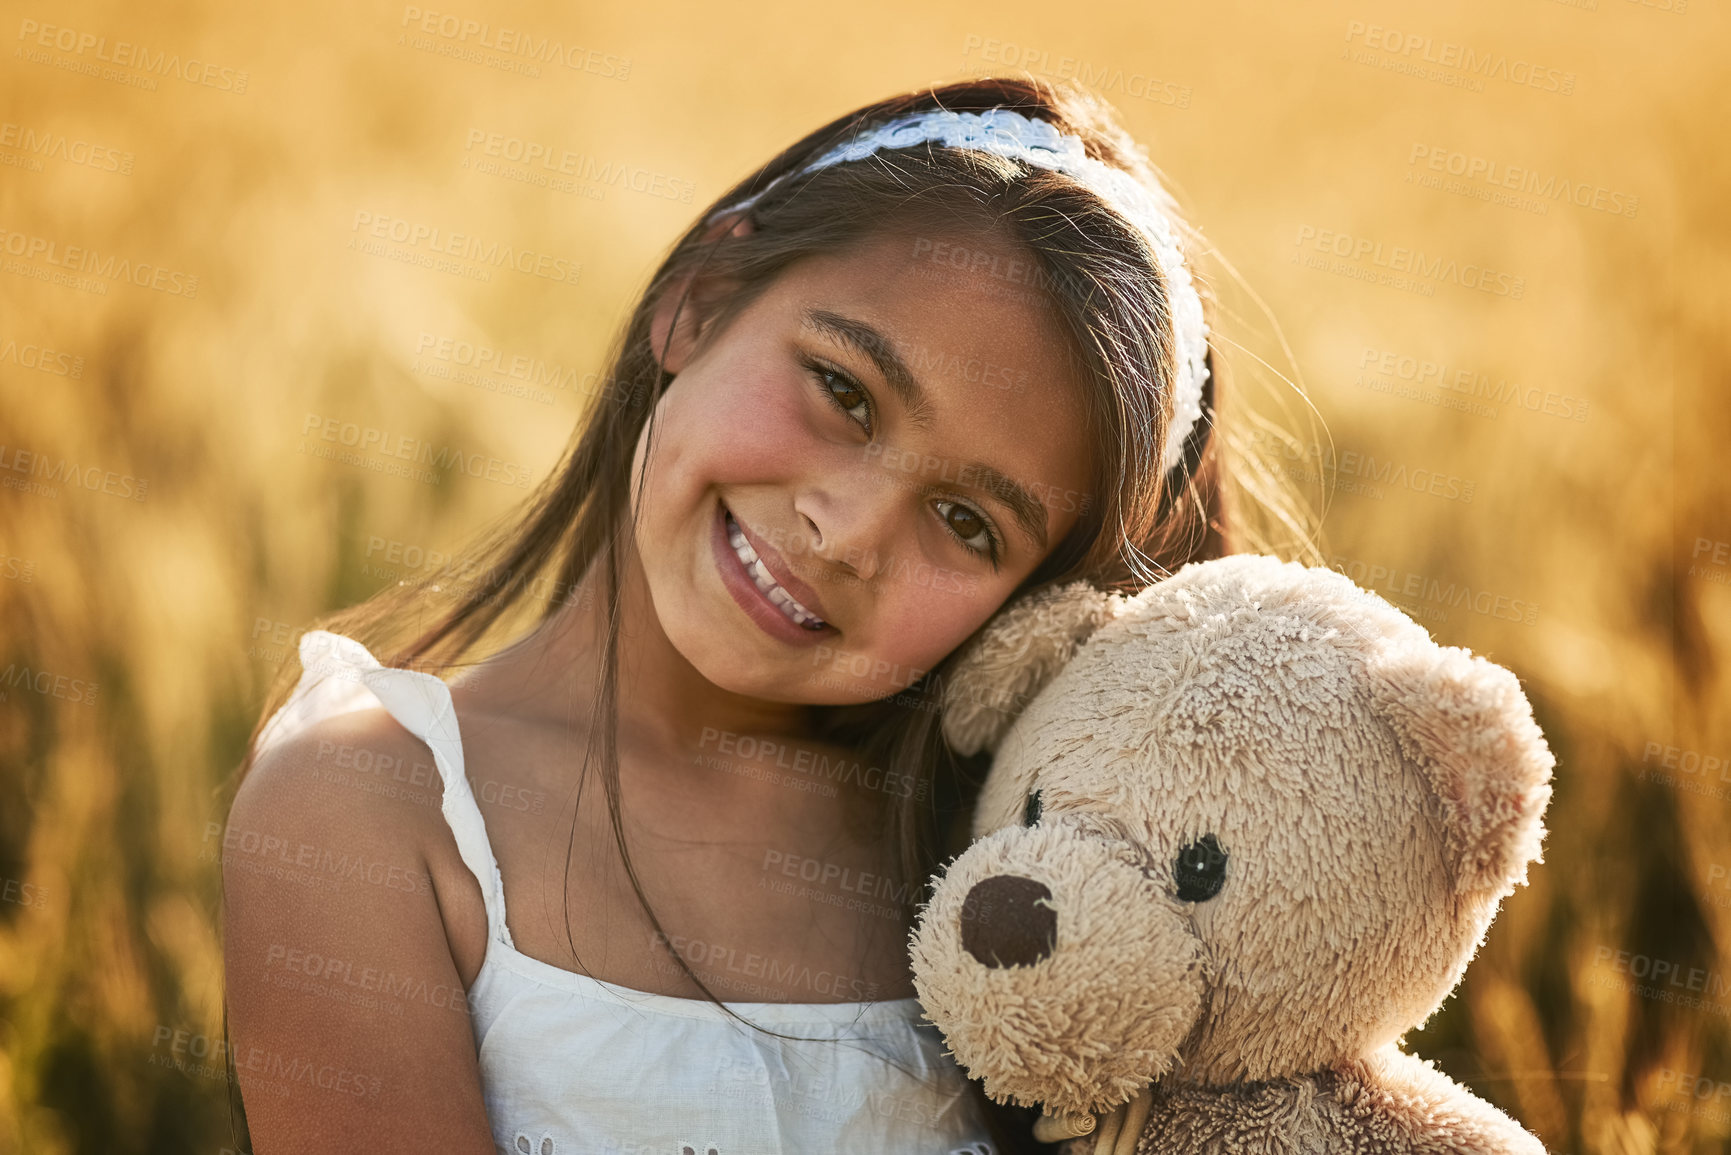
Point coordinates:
[(896, 432)]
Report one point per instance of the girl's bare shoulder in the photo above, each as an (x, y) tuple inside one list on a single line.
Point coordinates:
[(361, 764), (331, 877), (350, 797)]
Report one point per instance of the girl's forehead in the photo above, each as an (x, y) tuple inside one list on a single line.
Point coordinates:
[(964, 292)]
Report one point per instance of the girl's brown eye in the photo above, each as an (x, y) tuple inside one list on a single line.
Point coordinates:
[(844, 393), (850, 395), (967, 526), (964, 521)]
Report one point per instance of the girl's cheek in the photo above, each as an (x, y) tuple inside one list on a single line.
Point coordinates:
[(927, 613), (750, 426)]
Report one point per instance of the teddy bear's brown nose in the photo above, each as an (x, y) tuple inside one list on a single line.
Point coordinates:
[(1009, 921)]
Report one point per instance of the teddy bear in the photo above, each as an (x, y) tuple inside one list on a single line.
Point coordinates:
[(1241, 832)]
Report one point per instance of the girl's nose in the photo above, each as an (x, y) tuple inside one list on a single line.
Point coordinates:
[(860, 559), (851, 521)]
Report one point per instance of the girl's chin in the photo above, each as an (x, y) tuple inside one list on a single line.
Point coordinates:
[(735, 662)]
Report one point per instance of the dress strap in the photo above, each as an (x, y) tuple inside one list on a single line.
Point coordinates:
[(339, 675)]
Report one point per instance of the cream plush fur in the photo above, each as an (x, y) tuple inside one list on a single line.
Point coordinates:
[(1376, 796)]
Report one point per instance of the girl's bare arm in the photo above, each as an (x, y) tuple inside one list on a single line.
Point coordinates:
[(349, 1024)]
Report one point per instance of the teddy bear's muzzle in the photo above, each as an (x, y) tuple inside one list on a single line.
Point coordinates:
[(1060, 966)]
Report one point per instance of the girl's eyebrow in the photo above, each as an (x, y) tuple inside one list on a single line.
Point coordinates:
[(882, 351), (1029, 511)]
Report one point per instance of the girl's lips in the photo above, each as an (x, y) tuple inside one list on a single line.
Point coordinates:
[(745, 593), (781, 571)]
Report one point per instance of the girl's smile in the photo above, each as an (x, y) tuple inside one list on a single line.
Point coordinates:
[(770, 595)]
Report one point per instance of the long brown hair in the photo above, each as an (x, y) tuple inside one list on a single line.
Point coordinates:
[(1094, 269)]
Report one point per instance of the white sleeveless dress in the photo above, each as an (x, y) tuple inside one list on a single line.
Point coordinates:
[(571, 1064)]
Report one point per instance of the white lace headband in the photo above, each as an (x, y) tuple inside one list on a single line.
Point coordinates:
[(1007, 133)]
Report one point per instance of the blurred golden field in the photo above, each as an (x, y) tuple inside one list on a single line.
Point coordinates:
[(1505, 288)]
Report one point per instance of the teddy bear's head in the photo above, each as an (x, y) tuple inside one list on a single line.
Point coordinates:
[(1249, 823)]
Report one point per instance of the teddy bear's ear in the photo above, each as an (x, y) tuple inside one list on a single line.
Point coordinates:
[(1000, 669), (1465, 722)]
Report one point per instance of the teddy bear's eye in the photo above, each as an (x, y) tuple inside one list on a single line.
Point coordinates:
[(1200, 870), (1031, 809)]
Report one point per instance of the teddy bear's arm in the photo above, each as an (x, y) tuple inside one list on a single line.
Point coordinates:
[(1389, 1104)]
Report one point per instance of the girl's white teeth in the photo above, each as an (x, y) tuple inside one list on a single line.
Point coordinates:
[(760, 574)]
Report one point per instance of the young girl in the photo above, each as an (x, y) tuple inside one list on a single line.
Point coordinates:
[(641, 880)]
